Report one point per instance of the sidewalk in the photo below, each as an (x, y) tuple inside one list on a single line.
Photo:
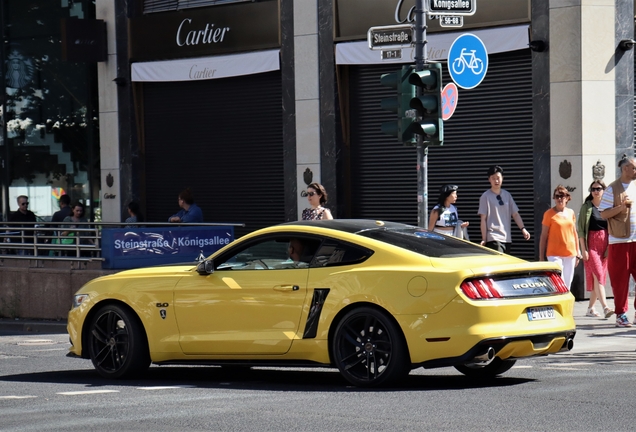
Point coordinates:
[(600, 334), (592, 334), (22, 326)]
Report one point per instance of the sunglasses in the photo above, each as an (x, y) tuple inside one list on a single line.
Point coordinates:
[(24, 203), (561, 196), (597, 189), (499, 200), (310, 194)]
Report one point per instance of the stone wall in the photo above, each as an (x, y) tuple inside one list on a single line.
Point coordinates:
[(42, 289)]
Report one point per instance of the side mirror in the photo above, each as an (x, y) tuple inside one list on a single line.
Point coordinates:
[(205, 268)]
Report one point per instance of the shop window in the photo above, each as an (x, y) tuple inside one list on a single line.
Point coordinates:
[(50, 118)]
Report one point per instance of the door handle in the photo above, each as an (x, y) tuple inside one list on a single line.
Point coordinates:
[(286, 287)]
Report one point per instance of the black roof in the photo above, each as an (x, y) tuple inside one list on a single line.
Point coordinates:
[(352, 225)]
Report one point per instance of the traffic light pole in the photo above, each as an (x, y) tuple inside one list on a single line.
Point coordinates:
[(422, 151)]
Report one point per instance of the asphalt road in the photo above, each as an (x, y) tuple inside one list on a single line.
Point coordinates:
[(585, 389)]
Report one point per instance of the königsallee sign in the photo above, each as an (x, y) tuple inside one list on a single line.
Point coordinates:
[(125, 248)]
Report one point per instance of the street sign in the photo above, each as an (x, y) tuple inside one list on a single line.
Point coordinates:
[(391, 37), (467, 61), (451, 21), (395, 54), (450, 97), (452, 7)]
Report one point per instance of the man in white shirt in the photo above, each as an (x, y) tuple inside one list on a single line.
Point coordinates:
[(496, 207), (621, 223)]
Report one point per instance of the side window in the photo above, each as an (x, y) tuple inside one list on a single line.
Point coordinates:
[(272, 254), (333, 253), (265, 255)]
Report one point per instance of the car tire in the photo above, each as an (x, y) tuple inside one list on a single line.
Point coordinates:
[(117, 343), (491, 370), (369, 349)]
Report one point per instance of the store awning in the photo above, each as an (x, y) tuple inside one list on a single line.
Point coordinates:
[(204, 68), (498, 39)]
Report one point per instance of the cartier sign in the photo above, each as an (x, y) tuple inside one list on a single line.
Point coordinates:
[(207, 31), (187, 36)]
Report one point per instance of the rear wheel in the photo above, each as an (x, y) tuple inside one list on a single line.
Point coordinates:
[(369, 349), (491, 370), (117, 343)]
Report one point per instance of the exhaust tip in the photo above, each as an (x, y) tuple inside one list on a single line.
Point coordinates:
[(568, 344), (485, 356)]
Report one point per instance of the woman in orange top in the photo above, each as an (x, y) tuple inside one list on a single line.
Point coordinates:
[(559, 240)]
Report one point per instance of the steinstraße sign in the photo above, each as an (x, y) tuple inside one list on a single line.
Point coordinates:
[(452, 7), (391, 37), (124, 248)]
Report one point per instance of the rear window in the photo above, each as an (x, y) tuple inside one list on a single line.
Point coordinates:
[(426, 242)]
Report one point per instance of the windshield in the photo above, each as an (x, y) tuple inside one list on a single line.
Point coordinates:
[(426, 242)]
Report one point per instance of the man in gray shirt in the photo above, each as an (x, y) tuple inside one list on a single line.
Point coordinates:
[(496, 207)]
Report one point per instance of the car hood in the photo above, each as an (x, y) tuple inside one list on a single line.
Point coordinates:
[(491, 264), (156, 271)]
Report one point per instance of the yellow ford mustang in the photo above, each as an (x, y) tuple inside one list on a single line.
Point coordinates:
[(374, 299)]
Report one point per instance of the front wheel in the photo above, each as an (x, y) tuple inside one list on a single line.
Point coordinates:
[(369, 349), (117, 343), (491, 370)]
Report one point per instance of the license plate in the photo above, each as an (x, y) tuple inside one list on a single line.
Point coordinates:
[(540, 313)]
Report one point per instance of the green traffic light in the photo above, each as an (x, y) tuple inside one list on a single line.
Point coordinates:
[(390, 128), (389, 80), (426, 79), (429, 124), (426, 103), (390, 104)]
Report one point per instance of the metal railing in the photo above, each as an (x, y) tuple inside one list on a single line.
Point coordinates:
[(70, 241)]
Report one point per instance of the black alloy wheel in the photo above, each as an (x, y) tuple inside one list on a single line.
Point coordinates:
[(496, 367), (117, 343), (369, 349)]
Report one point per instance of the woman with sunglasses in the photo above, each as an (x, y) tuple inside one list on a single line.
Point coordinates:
[(593, 241), (559, 239), (444, 218), (317, 197)]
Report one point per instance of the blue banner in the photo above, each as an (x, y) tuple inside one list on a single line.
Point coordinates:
[(125, 248)]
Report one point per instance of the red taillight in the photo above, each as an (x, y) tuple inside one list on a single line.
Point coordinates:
[(480, 289), (558, 283), (492, 288)]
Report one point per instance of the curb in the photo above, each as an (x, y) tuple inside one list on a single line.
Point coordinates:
[(19, 326)]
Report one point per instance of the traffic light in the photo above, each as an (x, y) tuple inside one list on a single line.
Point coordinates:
[(428, 105), (399, 104)]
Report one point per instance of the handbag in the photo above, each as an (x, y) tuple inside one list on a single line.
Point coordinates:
[(67, 240)]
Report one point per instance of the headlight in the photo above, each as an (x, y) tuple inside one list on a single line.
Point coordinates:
[(78, 299)]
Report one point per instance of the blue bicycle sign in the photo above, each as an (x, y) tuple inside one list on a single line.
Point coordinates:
[(467, 61)]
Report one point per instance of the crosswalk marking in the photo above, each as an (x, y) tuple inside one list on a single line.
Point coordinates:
[(165, 387), (17, 397), (75, 393)]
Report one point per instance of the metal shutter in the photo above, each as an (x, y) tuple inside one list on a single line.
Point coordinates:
[(223, 139), (492, 125), (151, 6)]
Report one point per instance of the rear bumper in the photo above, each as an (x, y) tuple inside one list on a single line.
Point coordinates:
[(509, 348)]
